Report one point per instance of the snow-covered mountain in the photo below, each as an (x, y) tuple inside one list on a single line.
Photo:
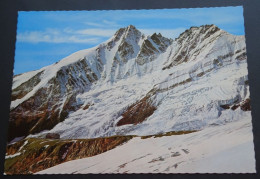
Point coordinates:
[(136, 84)]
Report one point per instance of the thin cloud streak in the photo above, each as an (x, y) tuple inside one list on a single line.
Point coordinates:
[(67, 35), (97, 32), (103, 24), (37, 37)]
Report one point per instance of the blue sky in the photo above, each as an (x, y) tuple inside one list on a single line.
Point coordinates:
[(45, 37)]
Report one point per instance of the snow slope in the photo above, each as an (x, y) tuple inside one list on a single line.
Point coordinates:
[(231, 152)]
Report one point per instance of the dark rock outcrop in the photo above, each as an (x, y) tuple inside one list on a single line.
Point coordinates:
[(52, 136), (151, 47), (40, 154), (52, 103), (245, 106), (137, 112)]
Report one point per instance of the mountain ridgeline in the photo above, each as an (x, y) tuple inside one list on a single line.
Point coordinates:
[(135, 84)]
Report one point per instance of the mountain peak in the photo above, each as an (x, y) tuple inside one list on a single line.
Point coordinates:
[(206, 26), (210, 28), (130, 30), (131, 27), (156, 35), (190, 39), (122, 30), (126, 31), (204, 30)]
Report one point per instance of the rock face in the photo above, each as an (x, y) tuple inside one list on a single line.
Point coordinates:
[(137, 112), (245, 106), (52, 136), (38, 154), (151, 47), (191, 42), (52, 101), (136, 84)]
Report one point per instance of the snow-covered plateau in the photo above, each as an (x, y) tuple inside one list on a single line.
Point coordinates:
[(134, 84), (217, 149)]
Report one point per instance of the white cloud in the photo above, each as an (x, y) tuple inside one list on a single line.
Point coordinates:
[(97, 32), (66, 35), (111, 23), (94, 24), (54, 37), (103, 24)]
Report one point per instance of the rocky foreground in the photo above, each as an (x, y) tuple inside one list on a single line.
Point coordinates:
[(32, 155)]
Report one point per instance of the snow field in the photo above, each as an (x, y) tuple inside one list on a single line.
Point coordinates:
[(231, 152)]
